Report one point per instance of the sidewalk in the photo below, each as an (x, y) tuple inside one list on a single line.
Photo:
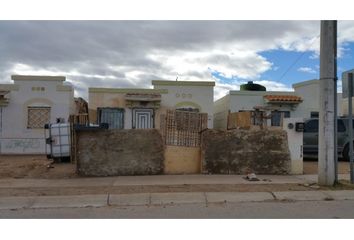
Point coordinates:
[(161, 180), (162, 190), (162, 199)]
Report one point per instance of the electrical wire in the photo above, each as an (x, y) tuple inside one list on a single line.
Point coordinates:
[(297, 60)]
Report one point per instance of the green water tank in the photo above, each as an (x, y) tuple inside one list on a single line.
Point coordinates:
[(250, 86)]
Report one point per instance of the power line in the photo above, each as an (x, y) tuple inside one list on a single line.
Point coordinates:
[(296, 60)]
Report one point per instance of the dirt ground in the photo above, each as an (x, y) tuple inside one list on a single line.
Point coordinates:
[(33, 166), (311, 166), (36, 167)]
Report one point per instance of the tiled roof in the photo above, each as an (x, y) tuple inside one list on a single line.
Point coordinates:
[(283, 98)]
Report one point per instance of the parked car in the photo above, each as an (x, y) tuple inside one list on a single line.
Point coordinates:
[(310, 137)]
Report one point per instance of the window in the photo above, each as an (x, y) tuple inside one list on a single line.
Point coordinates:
[(114, 117), (314, 114), (340, 126), (276, 117), (311, 126), (38, 117)]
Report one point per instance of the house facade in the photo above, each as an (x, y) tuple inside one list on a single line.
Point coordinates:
[(303, 102), (26, 105), (137, 108)]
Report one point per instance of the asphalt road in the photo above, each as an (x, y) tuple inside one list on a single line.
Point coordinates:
[(253, 210)]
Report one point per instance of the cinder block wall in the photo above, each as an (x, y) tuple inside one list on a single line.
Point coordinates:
[(245, 151), (119, 152)]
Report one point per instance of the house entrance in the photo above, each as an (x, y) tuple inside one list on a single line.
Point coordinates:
[(143, 118)]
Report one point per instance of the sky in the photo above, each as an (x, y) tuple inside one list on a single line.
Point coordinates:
[(129, 54)]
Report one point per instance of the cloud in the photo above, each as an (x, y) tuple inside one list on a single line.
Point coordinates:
[(306, 70), (132, 53)]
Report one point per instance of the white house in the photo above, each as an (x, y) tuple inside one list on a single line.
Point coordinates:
[(28, 104), (303, 102), (142, 108)]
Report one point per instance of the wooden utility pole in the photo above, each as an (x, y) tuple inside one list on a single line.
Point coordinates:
[(327, 138)]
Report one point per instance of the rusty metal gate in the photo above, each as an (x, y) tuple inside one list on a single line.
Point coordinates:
[(183, 128)]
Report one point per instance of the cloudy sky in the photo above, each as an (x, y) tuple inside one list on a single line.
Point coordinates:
[(130, 54)]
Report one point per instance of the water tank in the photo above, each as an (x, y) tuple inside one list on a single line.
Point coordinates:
[(58, 141), (250, 86)]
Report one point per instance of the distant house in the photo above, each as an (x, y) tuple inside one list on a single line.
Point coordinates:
[(26, 105), (303, 102), (138, 108)]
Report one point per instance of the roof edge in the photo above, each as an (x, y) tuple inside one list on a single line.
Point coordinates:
[(304, 83), (37, 78), (127, 90), (182, 83)]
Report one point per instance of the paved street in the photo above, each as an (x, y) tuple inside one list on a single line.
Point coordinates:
[(299, 209)]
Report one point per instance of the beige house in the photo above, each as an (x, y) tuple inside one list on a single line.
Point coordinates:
[(142, 108), (26, 105)]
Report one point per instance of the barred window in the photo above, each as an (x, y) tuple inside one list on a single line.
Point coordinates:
[(38, 117)]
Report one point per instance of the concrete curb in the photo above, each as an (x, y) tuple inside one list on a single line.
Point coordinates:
[(72, 201), (149, 199)]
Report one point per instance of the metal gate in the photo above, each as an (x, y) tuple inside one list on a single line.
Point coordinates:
[(113, 116), (143, 118)]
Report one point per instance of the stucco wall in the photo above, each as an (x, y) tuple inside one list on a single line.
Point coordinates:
[(310, 93), (182, 160), (221, 111), (117, 100), (181, 96), (244, 151), (120, 152), (15, 137)]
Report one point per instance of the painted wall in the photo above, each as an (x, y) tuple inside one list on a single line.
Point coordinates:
[(221, 111), (188, 96), (295, 142), (246, 100), (182, 160), (115, 98), (310, 93), (15, 137), (108, 99)]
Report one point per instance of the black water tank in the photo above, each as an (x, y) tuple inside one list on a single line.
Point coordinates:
[(250, 86)]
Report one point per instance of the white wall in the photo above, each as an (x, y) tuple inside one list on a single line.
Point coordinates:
[(309, 91), (221, 111), (200, 95), (15, 137), (295, 142)]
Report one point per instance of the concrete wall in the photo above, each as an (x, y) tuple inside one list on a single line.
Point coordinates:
[(108, 99), (15, 137), (221, 111), (182, 160), (295, 142), (245, 151), (120, 152), (115, 97), (309, 91)]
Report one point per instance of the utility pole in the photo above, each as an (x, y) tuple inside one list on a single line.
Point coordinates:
[(327, 138)]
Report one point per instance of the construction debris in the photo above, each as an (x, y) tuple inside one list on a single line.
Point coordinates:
[(251, 177)]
